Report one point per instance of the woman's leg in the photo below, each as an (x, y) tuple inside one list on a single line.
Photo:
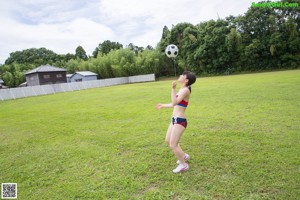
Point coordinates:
[(175, 136), (168, 134)]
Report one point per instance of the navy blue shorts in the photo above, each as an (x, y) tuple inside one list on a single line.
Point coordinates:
[(178, 120)]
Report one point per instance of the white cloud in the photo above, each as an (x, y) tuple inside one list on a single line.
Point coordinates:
[(62, 38), (63, 25)]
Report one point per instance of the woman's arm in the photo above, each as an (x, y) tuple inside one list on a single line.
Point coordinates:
[(159, 106), (174, 100), (181, 95), (173, 94)]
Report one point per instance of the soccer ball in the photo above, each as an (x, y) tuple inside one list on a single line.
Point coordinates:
[(172, 51)]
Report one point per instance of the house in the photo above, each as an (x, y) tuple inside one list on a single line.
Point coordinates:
[(1, 83), (83, 76), (69, 77), (45, 75)]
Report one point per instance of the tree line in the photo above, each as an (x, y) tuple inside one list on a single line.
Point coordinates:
[(264, 38)]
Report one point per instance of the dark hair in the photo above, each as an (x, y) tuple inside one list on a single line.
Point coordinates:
[(191, 77)]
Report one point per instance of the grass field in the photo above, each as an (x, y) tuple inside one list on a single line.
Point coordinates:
[(108, 143)]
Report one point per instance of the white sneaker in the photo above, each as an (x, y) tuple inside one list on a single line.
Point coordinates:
[(186, 157), (181, 168)]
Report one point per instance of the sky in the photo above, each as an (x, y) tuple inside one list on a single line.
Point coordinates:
[(61, 26)]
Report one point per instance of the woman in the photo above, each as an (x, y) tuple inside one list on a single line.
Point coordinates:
[(179, 123)]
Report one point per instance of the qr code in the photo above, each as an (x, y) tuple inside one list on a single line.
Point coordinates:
[(9, 191)]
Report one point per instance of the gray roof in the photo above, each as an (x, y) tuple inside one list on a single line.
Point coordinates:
[(1, 81), (45, 68), (86, 73)]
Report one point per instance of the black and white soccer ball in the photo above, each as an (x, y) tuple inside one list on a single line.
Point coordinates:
[(172, 51)]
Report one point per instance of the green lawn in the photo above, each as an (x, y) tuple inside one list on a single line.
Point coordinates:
[(108, 143)]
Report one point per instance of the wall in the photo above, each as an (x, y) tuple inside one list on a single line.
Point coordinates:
[(53, 79), (32, 79), (15, 93)]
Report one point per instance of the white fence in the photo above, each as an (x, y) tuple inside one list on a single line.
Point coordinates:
[(22, 92)]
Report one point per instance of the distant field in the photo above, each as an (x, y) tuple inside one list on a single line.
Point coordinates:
[(108, 143)]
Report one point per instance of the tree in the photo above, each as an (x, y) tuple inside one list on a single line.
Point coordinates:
[(165, 39), (106, 47), (32, 56), (254, 54), (80, 53), (148, 62), (188, 44), (177, 32), (234, 48), (211, 53), (8, 79), (149, 47), (13, 76), (135, 49), (276, 45), (73, 65)]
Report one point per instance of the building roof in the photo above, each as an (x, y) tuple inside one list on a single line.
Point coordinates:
[(86, 73), (45, 68)]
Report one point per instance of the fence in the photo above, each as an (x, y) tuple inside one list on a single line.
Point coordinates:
[(15, 93)]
